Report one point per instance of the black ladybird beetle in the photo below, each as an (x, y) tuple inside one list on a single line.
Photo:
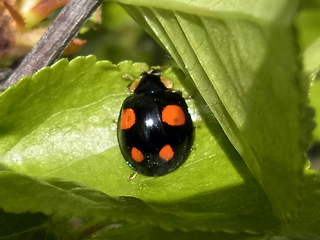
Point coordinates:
[(155, 130)]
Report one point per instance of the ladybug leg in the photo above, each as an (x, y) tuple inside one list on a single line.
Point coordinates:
[(134, 82), (166, 82), (189, 97), (132, 86), (132, 175), (178, 92)]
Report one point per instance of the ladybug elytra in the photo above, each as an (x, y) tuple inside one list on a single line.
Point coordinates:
[(155, 130)]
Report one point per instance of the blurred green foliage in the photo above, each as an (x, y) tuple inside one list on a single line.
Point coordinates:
[(120, 38)]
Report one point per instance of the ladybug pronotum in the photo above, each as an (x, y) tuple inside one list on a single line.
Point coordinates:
[(155, 130)]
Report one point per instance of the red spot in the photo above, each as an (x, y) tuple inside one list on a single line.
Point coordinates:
[(136, 155), (173, 115), (128, 118), (166, 153)]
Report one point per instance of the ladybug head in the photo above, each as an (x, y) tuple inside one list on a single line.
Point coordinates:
[(155, 72), (150, 82)]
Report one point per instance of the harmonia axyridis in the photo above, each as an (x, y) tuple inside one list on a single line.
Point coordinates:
[(155, 130)]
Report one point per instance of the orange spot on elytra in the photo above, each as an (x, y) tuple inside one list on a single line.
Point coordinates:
[(166, 153), (136, 155), (173, 115), (128, 118)]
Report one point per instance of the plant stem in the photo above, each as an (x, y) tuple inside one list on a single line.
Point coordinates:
[(54, 41)]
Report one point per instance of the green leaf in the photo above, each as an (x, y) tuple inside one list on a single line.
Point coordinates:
[(242, 57), (306, 223), (309, 36), (75, 201), (315, 103), (138, 232), (311, 59), (64, 200), (307, 23), (61, 123), (119, 38), (24, 226)]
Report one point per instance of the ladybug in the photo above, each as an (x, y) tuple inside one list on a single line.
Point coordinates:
[(155, 130)]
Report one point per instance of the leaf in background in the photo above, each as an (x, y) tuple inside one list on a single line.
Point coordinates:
[(308, 23), (315, 103), (311, 59), (309, 36), (61, 123), (242, 57), (120, 38)]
